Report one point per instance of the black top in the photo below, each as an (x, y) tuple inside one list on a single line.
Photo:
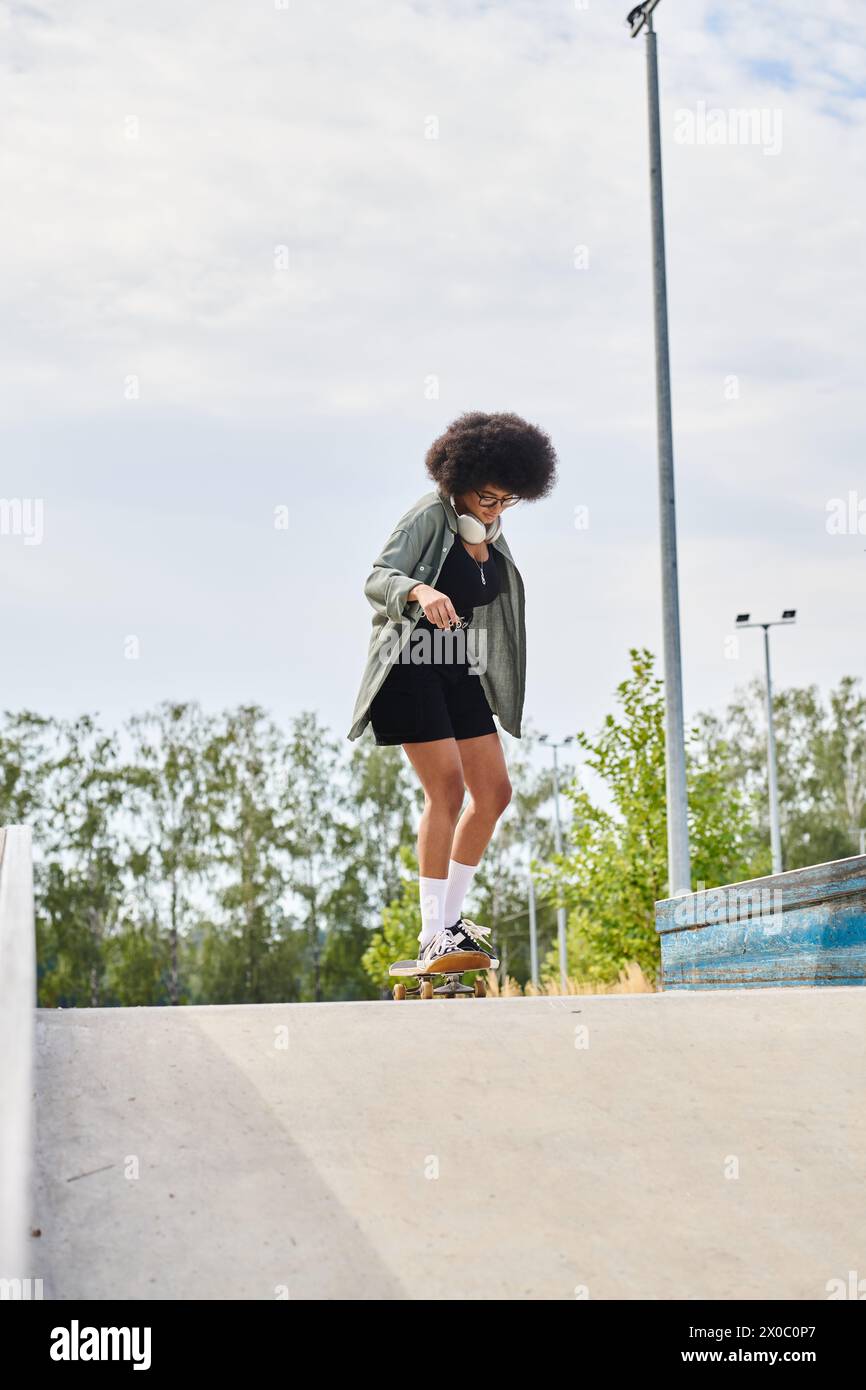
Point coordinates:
[(460, 578)]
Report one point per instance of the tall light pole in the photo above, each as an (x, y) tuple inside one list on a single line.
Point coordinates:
[(560, 911), (679, 868), (789, 616)]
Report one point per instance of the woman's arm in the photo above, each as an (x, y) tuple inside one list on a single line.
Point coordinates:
[(390, 584)]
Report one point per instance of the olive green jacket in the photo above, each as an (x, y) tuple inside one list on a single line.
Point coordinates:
[(413, 554)]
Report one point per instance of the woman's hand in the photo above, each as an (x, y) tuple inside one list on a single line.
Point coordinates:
[(438, 608)]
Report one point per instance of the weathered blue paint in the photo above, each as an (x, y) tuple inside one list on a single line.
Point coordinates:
[(803, 927)]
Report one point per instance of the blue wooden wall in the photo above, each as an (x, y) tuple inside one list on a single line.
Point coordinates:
[(803, 927)]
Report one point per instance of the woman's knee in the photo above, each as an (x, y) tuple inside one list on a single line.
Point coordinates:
[(446, 797), (494, 799)]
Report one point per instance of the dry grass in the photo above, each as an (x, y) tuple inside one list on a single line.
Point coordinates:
[(631, 980), (508, 990)]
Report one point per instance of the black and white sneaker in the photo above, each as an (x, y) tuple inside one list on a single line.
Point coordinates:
[(461, 947)]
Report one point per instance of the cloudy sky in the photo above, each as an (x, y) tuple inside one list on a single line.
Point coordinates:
[(257, 256)]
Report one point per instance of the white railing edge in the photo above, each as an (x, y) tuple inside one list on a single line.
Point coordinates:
[(17, 1022)]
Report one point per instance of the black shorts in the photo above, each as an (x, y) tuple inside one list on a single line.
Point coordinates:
[(418, 703)]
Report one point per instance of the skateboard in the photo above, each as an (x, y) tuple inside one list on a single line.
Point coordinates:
[(452, 986)]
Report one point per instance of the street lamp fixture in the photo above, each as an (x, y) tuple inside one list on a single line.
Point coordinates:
[(789, 615), (640, 16)]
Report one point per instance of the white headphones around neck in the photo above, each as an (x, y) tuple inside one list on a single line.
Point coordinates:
[(473, 530)]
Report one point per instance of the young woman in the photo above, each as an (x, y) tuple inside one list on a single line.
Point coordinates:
[(448, 651)]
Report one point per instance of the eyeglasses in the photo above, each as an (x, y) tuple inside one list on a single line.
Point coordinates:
[(487, 499)]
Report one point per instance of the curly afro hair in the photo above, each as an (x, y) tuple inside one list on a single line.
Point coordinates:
[(501, 450)]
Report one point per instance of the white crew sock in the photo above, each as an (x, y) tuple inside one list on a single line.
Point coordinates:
[(432, 892), (459, 878)]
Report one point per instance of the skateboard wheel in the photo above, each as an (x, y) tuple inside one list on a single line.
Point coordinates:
[(426, 989), (480, 989), (399, 991)]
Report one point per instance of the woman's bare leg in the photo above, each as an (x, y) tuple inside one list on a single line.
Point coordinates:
[(486, 776), (440, 771)]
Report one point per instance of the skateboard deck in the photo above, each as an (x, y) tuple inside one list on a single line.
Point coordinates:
[(448, 971)]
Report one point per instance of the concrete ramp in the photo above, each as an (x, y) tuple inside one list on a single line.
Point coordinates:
[(686, 1145)]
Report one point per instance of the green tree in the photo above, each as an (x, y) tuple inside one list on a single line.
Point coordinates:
[(167, 803), (138, 963), (376, 804), (821, 765), (614, 867), (315, 835), (81, 887), (244, 758), (28, 744)]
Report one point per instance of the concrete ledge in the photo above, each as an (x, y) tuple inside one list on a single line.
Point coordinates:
[(17, 1001), (805, 927)]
